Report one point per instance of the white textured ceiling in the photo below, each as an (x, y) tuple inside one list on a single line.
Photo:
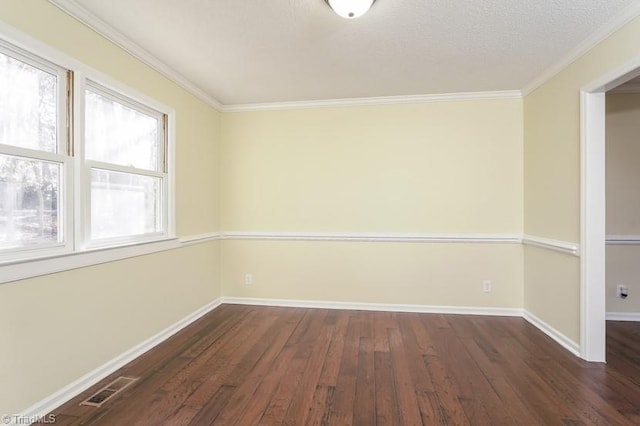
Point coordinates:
[(263, 51)]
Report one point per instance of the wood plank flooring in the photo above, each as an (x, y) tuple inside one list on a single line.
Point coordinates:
[(246, 365)]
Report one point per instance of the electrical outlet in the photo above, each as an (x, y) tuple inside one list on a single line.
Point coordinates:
[(486, 286), (248, 279), (622, 291)]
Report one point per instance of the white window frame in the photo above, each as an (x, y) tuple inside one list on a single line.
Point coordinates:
[(61, 156), (77, 251), (161, 173)]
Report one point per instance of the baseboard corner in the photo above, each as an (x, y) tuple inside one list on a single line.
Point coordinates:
[(53, 401), (559, 337)]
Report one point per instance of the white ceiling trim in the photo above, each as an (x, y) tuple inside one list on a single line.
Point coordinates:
[(383, 100), (620, 20), (80, 13), (92, 21)]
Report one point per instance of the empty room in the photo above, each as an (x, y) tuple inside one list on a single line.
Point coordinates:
[(305, 212)]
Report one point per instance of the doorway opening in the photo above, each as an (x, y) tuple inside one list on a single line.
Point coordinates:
[(593, 209)]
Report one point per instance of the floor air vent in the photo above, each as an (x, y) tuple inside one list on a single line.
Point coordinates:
[(108, 392)]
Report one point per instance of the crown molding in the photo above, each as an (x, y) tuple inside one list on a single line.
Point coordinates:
[(379, 100), (620, 20), (72, 8), (75, 10)]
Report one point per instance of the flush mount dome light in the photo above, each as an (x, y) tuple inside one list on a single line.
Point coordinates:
[(350, 9)]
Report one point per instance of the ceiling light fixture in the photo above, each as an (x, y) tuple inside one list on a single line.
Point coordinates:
[(350, 9)]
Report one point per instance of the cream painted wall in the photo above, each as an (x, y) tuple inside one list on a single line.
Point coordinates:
[(623, 267), (451, 167), (56, 328), (556, 284), (552, 175), (374, 272), (622, 163), (623, 198)]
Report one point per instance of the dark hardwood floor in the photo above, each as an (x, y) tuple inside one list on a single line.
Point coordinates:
[(244, 365)]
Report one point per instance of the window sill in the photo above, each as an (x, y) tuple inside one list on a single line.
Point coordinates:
[(19, 270)]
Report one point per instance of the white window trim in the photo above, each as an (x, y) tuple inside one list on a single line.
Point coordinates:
[(76, 255), (60, 156), (30, 268), (86, 167), (65, 201)]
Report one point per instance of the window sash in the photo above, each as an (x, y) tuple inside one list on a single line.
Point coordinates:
[(63, 95), (60, 157), (161, 118), (160, 173), (65, 195), (162, 204)]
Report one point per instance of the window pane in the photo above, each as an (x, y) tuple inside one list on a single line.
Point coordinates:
[(28, 107), (124, 204), (29, 213), (118, 134)]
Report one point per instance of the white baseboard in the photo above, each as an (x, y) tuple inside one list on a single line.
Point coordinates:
[(623, 316), (357, 306), (560, 338), (42, 408)]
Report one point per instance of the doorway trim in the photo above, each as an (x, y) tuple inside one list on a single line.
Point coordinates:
[(593, 211)]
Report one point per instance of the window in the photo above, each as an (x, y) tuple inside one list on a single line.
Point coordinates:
[(125, 155), (108, 186), (33, 158)]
